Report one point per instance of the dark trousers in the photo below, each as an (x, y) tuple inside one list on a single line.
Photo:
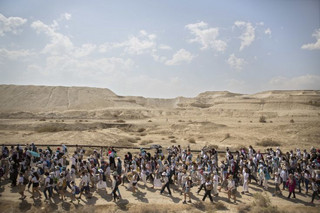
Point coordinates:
[(47, 189), (252, 177), (314, 195), (114, 193), (201, 186), (294, 194), (306, 181), (166, 186), (208, 193)]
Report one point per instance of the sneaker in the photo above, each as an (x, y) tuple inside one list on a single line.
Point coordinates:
[(189, 201), (184, 202)]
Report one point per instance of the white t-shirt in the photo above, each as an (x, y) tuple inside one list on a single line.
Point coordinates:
[(47, 182)]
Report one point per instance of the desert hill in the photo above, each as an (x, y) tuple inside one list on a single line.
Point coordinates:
[(86, 102)]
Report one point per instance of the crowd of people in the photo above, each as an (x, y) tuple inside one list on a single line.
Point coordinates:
[(71, 175)]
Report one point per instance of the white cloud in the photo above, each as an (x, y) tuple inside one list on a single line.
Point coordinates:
[(311, 82), (164, 47), (248, 36), (135, 45), (11, 24), (268, 31), (236, 63), (179, 57), (205, 36), (66, 16), (84, 50), (59, 43), (15, 54), (313, 46)]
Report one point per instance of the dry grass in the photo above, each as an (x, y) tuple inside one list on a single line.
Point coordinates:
[(261, 204), (141, 130), (220, 206), (192, 140), (262, 119), (268, 143), (49, 128), (146, 142), (132, 140)]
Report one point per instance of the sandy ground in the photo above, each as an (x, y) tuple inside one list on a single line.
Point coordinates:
[(150, 200)]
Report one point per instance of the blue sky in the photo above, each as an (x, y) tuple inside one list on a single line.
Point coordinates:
[(162, 48)]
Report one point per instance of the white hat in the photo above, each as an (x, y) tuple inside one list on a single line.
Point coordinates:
[(164, 173)]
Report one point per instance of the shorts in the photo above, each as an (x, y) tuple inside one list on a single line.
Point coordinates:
[(187, 190), (35, 185), (22, 187), (134, 183)]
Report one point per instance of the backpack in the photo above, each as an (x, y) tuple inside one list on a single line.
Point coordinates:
[(118, 181), (25, 181)]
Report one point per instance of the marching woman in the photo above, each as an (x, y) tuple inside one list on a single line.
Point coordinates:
[(231, 188), (245, 181), (35, 185), (291, 183), (208, 188), (216, 178), (187, 186)]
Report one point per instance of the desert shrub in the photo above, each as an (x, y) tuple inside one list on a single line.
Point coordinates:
[(49, 128), (42, 119), (227, 135), (250, 121), (137, 138), (57, 120), (80, 120), (62, 120), (180, 120), (261, 204), (141, 130), (85, 121), (268, 142), (143, 134), (220, 206), (163, 139), (120, 121), (132, 140), (171, 137), (239, 121), (146, 142), (149, 121), (244, 208), (173, 141), (192, 140), (292, 121), (262, 119), (271, 121)]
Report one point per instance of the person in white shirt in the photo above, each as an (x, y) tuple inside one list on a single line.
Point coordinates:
[(208, 188), (245, 181), (215, 183)]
